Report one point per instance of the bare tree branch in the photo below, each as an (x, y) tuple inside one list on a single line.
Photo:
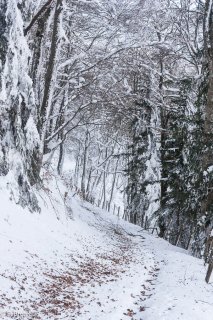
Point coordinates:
[(38, 14)]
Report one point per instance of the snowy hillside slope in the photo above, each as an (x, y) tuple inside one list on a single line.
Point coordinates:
[(85, 264)]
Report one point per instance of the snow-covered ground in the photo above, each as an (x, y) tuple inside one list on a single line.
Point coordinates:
[(74, 261)]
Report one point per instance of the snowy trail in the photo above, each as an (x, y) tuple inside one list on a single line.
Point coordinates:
[(160, 282), (123, 296), (94, 267)]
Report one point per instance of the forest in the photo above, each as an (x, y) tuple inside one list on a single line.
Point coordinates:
[(112, 102), (115, 99)]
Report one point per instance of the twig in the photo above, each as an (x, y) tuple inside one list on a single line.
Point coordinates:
[(211, 304)]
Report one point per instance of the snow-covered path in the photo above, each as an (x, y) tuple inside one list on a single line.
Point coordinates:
[(163, 282), (94, 267), (124, 293)]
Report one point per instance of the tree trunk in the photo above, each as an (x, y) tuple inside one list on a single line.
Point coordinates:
[(83, 179), (209, 272), (113, 184), (207, 161), (46, 107), (61, 157)]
